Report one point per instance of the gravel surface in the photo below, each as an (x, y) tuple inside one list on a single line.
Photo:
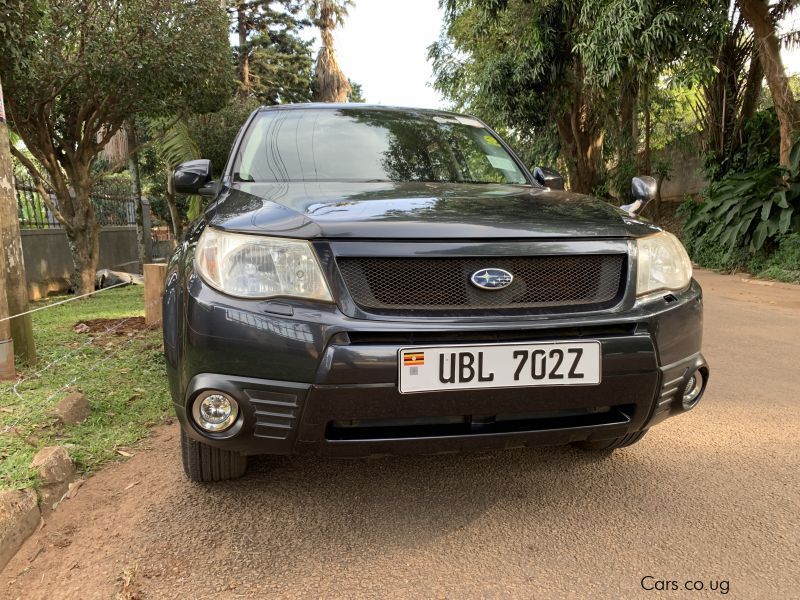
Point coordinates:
[(710, 497)]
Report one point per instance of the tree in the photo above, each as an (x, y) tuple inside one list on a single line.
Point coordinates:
[(331, 84), (356, 92), (274, 62), (174, 145), (729, 96), (571, 66), (76, 70), (764, 21), (13, 286)]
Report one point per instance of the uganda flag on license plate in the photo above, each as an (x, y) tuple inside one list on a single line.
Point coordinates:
[(413, 359)]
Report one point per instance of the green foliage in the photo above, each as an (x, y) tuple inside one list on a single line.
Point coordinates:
[(778, 259), (174, 142), (783, 264), (672, 112), (174, 145), (356, 92), (560, 70), (705, 250), (280, 69), (507, 66), (280, 60), (215, 132), (108, 61), (75, 71), (641, 37), (328, 13), (758, 148), (744, 210)]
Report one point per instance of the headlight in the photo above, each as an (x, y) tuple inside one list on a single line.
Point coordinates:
[(253, 266), (662, 264)]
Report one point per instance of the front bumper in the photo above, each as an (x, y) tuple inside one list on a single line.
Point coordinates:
[(309, 379)]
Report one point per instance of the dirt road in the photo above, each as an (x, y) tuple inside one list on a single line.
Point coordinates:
[(710, 497)]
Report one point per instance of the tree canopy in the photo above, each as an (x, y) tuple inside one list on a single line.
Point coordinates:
[(567, 66), (75, 71), (275, 63)]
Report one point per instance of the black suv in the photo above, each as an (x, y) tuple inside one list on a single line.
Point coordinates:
[(373, 280)]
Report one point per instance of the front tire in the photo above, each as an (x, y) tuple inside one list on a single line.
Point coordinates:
[(611, 444), (204, 463)]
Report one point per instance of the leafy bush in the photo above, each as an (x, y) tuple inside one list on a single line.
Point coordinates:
[(760, 139), (783, 264), (778, 259), (745, 209)]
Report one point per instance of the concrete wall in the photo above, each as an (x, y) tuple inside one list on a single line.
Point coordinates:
[(686, 172), (48, 263)]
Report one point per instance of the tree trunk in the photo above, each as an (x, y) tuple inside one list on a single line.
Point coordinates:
[(582, 142), (752, 90), (756, 12), (13, 274), (84, 244), (244, 55), (8, 369), (174, 216), (136, 187), (646, 165), (72, 207), (628, 125)]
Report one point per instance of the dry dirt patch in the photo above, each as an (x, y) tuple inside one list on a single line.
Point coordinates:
[(121, 327)]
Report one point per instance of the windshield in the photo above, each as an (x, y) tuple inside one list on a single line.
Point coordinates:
[(356, 144)]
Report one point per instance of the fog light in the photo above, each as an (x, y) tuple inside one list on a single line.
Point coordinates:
[(694, 388), (215, 411)]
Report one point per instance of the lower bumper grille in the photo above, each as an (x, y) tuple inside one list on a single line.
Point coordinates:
[(393, 285), (466, 425)]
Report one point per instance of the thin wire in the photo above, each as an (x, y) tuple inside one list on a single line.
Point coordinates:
[(106, 357), (64, 357), (94, 366), (33, 310)]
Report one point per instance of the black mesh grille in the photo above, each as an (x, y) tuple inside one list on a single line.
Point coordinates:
[(398, 285)]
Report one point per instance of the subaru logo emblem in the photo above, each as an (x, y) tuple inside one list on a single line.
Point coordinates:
[(491, 279)]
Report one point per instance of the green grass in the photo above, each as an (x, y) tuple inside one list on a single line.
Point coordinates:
[(123, 378)]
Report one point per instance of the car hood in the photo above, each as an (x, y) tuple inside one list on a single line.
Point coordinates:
[(413, 210)]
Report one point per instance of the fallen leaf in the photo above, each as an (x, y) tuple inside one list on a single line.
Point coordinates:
[(125, 454), (81, 328), (7, 410), (130, 485)]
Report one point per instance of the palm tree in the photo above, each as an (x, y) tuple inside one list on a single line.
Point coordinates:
[(174, 145), (331, 84)]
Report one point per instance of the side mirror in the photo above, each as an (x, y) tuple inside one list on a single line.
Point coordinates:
[(210, 189), (548, 178), (643, 189), (189, 177)]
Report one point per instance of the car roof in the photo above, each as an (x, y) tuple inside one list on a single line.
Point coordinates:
[(362, 106)]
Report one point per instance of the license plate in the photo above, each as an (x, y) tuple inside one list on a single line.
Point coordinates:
[(427, 368)]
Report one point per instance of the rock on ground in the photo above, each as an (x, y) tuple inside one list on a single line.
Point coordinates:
[(55, 470), (19, 516), (71, 409)]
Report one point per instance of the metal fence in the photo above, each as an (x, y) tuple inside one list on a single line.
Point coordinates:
[(113, 204)]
